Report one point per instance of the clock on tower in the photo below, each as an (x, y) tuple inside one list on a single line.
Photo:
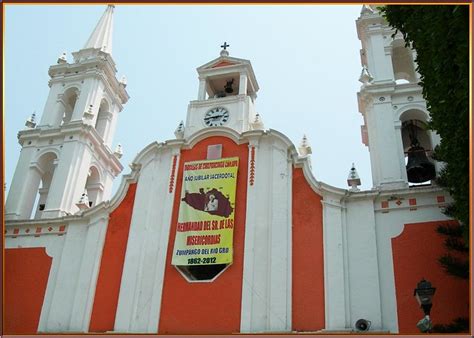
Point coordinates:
[(227, 92)]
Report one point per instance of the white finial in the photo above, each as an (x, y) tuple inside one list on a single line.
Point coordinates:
[(257, 123), (83, 201), (101, 37), (365, 76), (366, 9), (123, 81), (353, 179), (31, 121), (179, 132), (89, 114), (305, 148), (62, 58), (118, 151)]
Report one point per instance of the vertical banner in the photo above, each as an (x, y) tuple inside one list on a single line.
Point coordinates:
[(205, 229)]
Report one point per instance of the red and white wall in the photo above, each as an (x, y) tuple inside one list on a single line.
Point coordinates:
[(307, 256)]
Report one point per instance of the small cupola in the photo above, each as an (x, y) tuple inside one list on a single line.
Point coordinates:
[(226, 76)]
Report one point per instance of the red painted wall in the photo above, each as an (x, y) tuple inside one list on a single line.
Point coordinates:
[(26, 277), (308, 261), (203, 307), (415, 256), (111, 266)]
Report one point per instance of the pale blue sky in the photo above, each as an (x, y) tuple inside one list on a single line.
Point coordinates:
[(306, 60)]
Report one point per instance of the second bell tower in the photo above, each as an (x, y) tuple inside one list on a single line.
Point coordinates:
[(391, 101), (69, 151)]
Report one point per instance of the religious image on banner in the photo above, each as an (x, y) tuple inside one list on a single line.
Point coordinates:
[(205, 229)]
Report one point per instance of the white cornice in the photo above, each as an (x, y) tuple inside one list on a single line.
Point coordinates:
[(80, 129), (100, 65), (217, 101)]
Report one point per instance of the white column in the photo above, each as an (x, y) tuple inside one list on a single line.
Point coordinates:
[(86, 97), (363, 265), (43, 194), (139, 304), (249, 257), (397, 125), (23, 188), (62, 297), (334, 275), (108, 180), (54, 107), (379, 57), (266, 289), (54, 248), (81, 308), (279, 310), (112, 119), (385, 142), (202, 88), (243, 84)]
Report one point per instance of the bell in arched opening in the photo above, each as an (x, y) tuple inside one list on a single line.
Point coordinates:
[(419, 168)]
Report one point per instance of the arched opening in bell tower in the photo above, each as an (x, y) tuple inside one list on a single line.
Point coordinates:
[(45, 166), (69, 100), (417, 147), (402, 62), (102, 118), (93, 186), (223, 85)]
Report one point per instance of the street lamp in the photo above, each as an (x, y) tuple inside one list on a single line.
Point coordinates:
[(424, 293)]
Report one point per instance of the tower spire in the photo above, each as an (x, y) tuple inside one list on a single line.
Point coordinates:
[(101, 37)]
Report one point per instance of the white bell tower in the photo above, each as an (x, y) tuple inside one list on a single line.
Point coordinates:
[(226, 98), (390, 101), (69, 151)]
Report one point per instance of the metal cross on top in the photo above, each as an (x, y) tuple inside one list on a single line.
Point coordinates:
[(225, 45)]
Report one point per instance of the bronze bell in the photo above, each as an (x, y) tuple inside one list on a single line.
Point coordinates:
[(419, 167), (228, 87)]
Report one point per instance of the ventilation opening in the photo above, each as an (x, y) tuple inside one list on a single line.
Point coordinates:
[(103, 120), (69, 104), (402, 62), (201, 272), (39, 195)]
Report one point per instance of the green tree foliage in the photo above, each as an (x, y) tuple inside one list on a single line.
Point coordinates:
[(455, 262), (440, 36)]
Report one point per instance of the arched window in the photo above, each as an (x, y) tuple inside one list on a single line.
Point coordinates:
[(402, 61), (94, 187), (415, 121), (69, 100), (45, 165), (102, 118), (417, 146)]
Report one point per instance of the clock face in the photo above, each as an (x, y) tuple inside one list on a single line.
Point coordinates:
[(216, 117)]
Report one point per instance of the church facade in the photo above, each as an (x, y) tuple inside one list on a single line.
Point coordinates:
[(223, 229)]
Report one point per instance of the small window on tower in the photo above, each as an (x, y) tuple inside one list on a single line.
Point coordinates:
[(41, 207)]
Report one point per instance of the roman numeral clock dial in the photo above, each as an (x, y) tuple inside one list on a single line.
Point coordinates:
[(216, 117)]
